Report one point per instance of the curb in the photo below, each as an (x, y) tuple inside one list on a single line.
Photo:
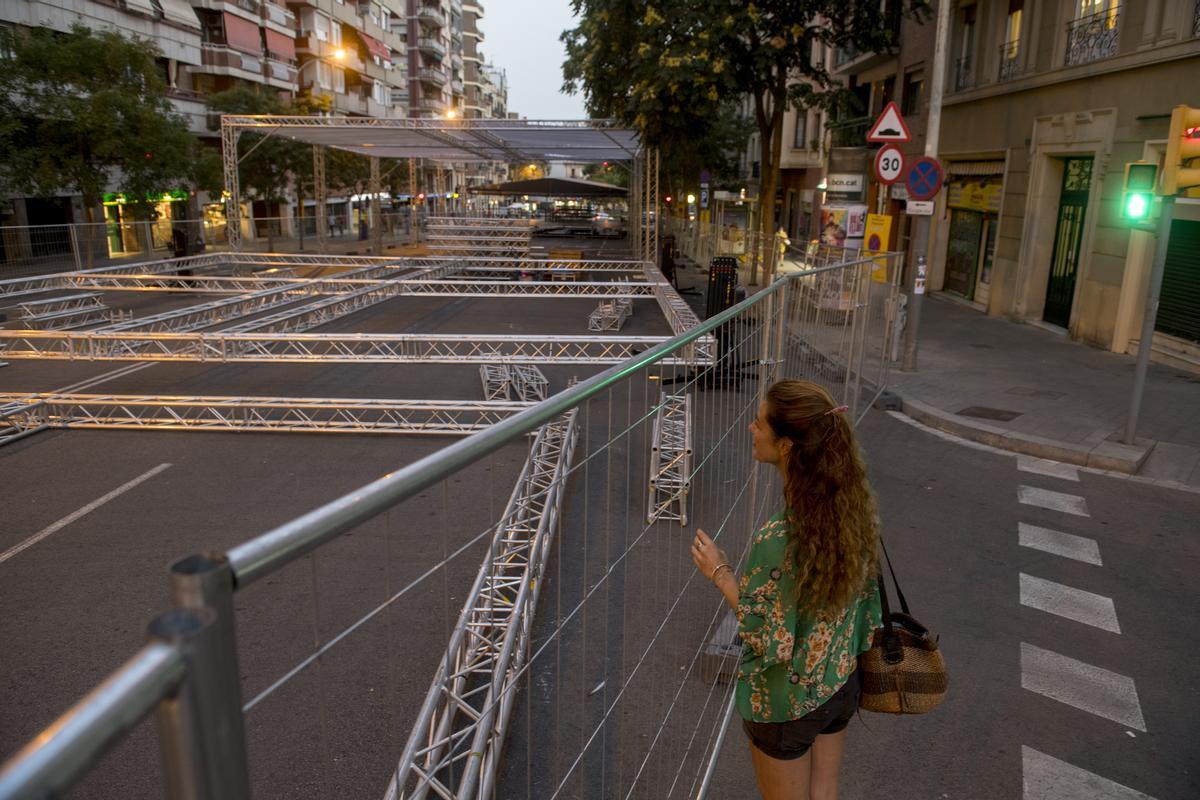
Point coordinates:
[(1106, 455)]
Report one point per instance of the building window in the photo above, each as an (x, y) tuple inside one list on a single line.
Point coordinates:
[(1010, 51), (1093, 34), (911, 105), (324, 75), (964, 67), (321, 27), (339, 80), (801, 132)]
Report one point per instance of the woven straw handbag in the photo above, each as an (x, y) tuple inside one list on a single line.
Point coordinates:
[(903, 672)]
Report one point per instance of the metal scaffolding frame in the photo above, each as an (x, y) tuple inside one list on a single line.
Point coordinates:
[(476, 222), (455, 747), (496, 380), (670, 459), (529, 383), (325, 348), (21, 415)]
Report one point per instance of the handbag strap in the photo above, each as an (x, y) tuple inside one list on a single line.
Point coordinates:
[(893, 648), (896, 583)]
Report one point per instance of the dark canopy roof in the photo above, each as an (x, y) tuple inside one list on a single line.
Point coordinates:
[(553, 187)]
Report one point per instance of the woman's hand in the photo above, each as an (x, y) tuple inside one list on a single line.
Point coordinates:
[(706, 555)]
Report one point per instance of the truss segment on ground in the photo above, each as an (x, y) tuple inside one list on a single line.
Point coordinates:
[(455, 748), (331, 348), (529, 383), (24, 414), (670, 459), (496, 380)]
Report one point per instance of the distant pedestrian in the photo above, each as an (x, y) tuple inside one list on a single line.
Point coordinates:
[(808, 604)]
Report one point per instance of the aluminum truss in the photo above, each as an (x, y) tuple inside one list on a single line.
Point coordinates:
[(476, 222), (331, 348), (670, 459), (610, 315), (481, 250), (528, 382), (454, 750), (24, 414), (496, 380)]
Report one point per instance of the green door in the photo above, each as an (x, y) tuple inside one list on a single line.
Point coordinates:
[(1068, 235)]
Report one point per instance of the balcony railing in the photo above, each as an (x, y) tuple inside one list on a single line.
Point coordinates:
[(1009, 65), (1093, 37), (850, 132), (433, 46), (219, 55), (279, 70), (1196, 19), (964, 75), (430, 104), (278, 14), (432, 15), (434, 76)]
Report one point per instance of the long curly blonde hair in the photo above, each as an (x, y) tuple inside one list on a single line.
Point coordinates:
[(834, 520)]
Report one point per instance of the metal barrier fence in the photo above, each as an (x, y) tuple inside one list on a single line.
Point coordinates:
[(618, 686)]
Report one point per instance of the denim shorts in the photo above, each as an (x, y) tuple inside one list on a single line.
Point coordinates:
[(788, 740)]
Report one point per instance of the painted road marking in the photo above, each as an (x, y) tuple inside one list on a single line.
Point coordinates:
[(1044, 466), (1058, 543), (1047, 778), (1055, 501), (1083, 686), (74, 515), (1067, 601)]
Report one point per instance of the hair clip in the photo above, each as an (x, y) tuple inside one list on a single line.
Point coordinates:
[(836, 410)]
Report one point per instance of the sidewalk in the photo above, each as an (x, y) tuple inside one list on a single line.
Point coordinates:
[(1025, 389)]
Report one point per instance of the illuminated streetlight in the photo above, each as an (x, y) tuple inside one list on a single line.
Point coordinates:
[(339, 54), (691, 198), (451, 113)]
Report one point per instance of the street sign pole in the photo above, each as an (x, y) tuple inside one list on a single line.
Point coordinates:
[(921, 234), (1149, 317)]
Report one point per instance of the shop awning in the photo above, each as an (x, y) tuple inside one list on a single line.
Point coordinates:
[(280, 46), (242, 35), (975, 168), (180, 12), (376, 47)]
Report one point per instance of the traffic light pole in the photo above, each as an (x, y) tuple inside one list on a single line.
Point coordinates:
[(1149, 316)]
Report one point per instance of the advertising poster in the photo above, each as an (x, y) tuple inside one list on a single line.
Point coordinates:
[(843, 226), (878, 229)]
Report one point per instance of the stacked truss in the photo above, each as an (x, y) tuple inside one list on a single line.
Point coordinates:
[(528, 382), (23, 414), (455, 747), (670, 459), (62, 313), (610, 315), (496, 380)]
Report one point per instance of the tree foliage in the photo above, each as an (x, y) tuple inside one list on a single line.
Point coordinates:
[(84, 111), (672, 67)]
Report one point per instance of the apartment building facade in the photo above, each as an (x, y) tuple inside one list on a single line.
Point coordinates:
[(1045, 103)]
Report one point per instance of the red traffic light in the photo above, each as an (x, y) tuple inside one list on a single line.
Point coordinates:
[(667, 199)]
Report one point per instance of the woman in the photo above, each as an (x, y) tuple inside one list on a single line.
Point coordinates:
[(808, 603)]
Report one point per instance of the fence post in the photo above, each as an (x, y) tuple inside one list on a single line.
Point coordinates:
[(74, 234), (206, 582)]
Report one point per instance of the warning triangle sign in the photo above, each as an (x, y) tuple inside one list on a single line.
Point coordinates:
[(889, 127)]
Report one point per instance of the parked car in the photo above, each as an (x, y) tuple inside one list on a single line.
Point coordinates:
[(605, 224)]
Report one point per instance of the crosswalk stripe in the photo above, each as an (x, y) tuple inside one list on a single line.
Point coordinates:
[(1044, 466), (1083, 686), (1058, 543), (1055, 501), (1067, 601), (1046, 778)]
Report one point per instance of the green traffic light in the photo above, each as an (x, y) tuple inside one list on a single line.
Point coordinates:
[(1137, 205)]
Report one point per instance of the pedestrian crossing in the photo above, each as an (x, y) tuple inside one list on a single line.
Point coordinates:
[(1057, 676)]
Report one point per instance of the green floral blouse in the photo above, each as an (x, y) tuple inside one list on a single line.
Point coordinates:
[(778, 679)]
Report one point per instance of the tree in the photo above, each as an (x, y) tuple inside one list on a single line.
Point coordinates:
[(84, 112), (667, 68)]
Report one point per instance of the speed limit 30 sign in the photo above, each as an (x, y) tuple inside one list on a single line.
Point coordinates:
[(889, 164)]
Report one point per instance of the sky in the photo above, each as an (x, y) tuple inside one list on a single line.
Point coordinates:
[(521, 37)]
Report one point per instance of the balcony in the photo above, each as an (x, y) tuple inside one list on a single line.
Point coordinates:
[(850, 132), (432, 16), (964, 75), (349, 103), (1009, 65), (218, 59), (1094, 37), (278, 15), (431, 47), (434, 76), (276, 70), (456, 87), (430, 104)]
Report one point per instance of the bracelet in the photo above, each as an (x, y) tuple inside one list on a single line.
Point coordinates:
[(718, 568)]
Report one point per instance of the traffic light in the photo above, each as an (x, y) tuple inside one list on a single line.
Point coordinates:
[(1183, 145), (1138, 196)]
